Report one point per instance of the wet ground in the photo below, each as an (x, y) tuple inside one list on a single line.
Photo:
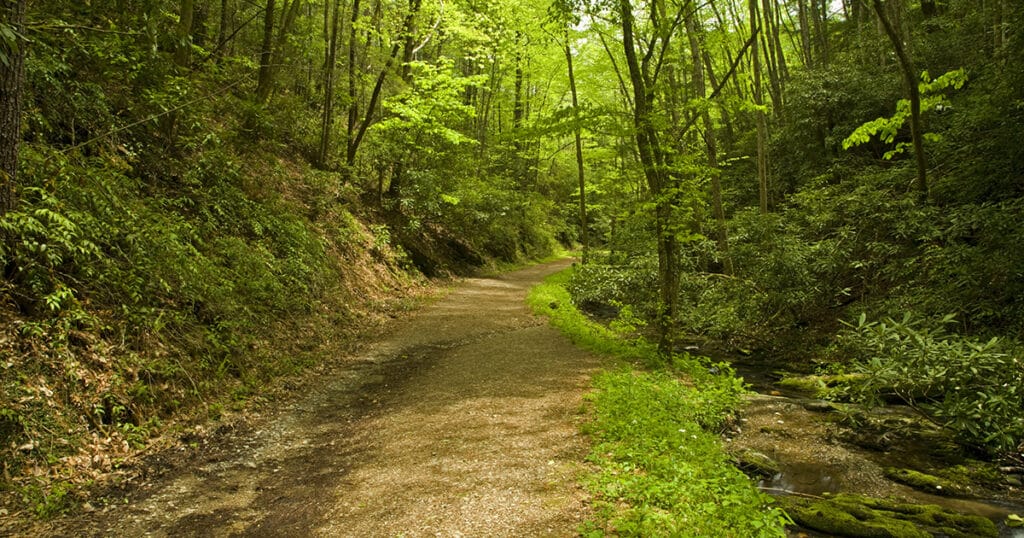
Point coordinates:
[(815, 457)]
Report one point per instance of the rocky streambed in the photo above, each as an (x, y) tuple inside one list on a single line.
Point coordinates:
[(845, 471)]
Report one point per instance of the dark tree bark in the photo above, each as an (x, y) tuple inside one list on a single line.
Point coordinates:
[(330, 61), (914, 94), (805, 34), (762, 127), (356, 134), (275, 47), (224, 28), (577, 134), (12, 79), (353, 88), (819, 12), (696, 36), (183, 34), (263, 78), (652, 160)]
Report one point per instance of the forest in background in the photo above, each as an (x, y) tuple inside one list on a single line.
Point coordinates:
[(841, 178)]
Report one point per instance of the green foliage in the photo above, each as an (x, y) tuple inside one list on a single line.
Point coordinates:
[(595, 285), (47, 501), (661, 470), (931, 99), (552, 299), (974, 388)]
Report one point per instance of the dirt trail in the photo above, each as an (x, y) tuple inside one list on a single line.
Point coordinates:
[(460, 421)]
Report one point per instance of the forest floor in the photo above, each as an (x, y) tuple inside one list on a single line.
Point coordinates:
[(461, 419)]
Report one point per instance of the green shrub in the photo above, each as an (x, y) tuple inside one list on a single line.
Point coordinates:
[(660, 468), (974, 388)]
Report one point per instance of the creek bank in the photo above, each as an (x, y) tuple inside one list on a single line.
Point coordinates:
[(837, 461)]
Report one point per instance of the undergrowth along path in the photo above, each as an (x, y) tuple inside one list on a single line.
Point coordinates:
[(462, 420)]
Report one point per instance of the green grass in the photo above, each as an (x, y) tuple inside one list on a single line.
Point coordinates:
[(658, 466)]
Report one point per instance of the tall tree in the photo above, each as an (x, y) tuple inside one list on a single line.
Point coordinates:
[(183, 34), (642, 77), (762, 123), (330, 66), (578, 136), (910, 84), (695, 33), (12, 61), (356, 134), (263, 79)]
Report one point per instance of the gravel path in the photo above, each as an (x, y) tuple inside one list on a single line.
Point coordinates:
[(461, 421)]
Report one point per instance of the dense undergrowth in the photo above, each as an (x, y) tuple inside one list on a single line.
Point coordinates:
[(133, 305), (658, 465), (849, 248)]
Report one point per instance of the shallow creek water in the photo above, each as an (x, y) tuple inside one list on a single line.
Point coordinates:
[(792, 430)]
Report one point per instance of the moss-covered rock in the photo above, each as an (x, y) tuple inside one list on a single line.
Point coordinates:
[(755, 464), (927, 482), (818, 386), (858, 516)]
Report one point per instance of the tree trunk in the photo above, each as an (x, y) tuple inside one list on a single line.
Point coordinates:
[(910, 82), (805, 34), (275, 49), (183, 34), (12, 80), (695, 32), (327, 121), (224, 28), (353, 91), (263, 78), (409, 42), (819, 10), (579, 153), (357, 138), (652, 160), (772, 56), (762, 127)]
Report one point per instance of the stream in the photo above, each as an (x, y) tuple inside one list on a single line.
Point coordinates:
[(818, 454)]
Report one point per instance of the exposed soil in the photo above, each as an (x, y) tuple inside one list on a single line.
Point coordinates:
[(461, 420)]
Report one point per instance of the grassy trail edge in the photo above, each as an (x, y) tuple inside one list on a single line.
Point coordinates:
[(657, 466)]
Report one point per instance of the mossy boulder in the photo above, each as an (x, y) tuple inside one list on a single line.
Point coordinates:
[(755, 464), (818, 386), (927, 482), (858, 516)]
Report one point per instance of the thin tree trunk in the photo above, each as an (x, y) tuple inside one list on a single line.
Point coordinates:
[(264, 76), (12, 81), (353, 90), (356, 139), (696, 36), (408, 38), (805, 34), (584, 240), (183, 34), (652, 161), (224, 29), (771, 57), (327, 122), (820, 11), (910, 82), (762, 160), (780, 53)]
